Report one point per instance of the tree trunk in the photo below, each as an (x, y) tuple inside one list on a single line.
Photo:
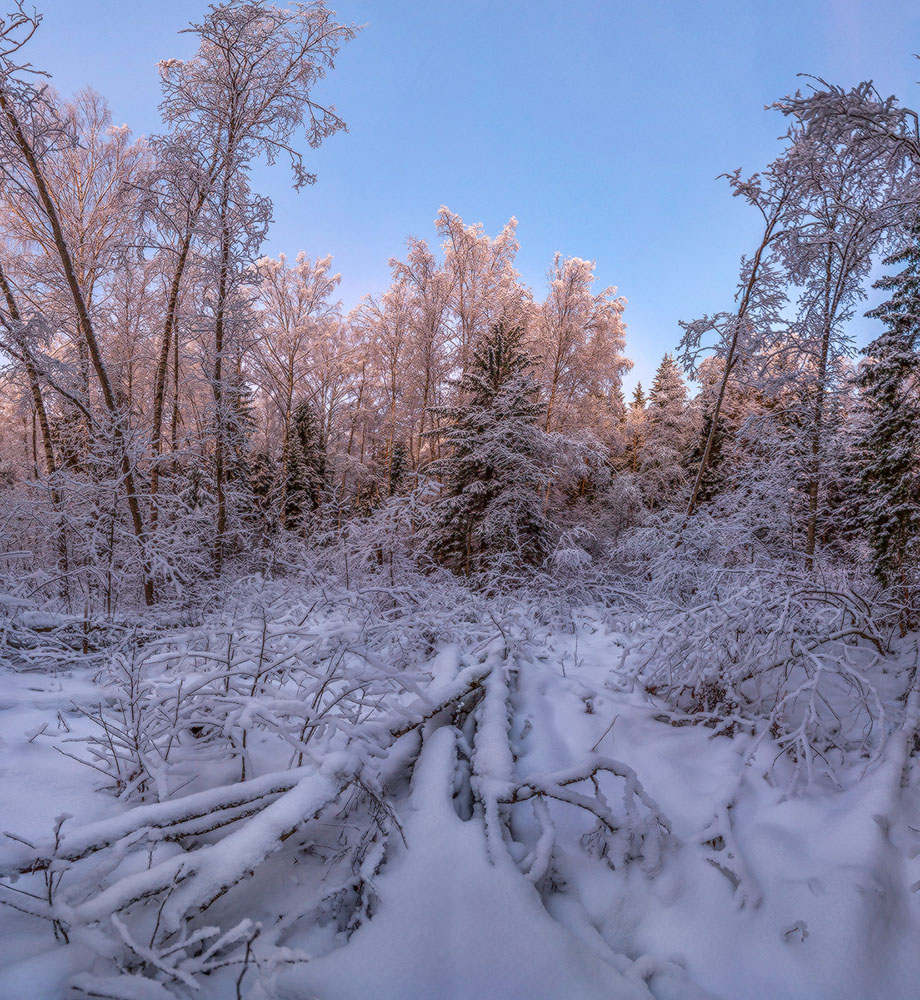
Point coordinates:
[(159, 381), (218, 379), (89, 337), (40, 411), (170, 338), (730, 359)]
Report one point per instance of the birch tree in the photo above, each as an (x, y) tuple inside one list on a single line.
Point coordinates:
[(749, 328), (847, 205), (32, 134), (580, 339), (295, 306), (243, 96)]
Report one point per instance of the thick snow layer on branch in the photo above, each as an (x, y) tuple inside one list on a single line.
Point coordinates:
[(172, 818), (203, 875), (454, 926), (517, 819)]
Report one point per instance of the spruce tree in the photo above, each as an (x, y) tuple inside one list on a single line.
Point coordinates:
[(889, 446), (399, 469), (663, 449), (634, 427), (495, 465), (722, 464), (305, 467), (263, 485)]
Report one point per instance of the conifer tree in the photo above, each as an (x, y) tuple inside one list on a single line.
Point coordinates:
[(399, 468), (890, 442), (663, 450), (723, 463), (496, 462), (305, 467), (263, 485), (634, 424)]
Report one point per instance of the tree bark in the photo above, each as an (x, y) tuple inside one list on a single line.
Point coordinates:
[(89, 336), (814, 479), (169, 339), (730, 359), (41, 412)]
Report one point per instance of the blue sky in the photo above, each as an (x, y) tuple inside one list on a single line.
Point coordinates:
[(601, 126)]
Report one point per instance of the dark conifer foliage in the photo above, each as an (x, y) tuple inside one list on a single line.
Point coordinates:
[(662, 455), (399, 469), (306, 467), (889, 447), (497, 462)]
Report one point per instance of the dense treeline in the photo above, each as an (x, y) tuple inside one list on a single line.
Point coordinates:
[(177, 404)]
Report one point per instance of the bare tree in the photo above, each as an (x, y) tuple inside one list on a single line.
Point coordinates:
[(295, 308), (740, 334), (848, 204), (242, 96), (30, 130), (580, 337)]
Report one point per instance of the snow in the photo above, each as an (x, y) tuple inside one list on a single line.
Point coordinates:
[(759, 889), (453, 925)]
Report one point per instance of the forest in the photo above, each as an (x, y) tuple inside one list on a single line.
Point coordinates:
[(398, 651)]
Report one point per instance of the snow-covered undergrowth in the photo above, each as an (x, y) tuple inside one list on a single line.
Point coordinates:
[(405, 787)]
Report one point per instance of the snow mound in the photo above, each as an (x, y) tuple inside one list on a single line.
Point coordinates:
[(453, 925)]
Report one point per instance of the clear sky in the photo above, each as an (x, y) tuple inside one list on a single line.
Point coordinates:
[(600, 124)]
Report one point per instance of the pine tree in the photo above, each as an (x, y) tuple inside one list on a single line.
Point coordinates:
[(305, 467), (634, 425), (495, 465), (663, 450), (723, 461), (889, 446), (399, 468), (263, 484)]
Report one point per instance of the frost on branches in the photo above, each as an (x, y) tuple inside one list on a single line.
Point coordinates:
[(390, 652)]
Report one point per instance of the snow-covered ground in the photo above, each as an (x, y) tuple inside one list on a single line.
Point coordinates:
[(722, 879)]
